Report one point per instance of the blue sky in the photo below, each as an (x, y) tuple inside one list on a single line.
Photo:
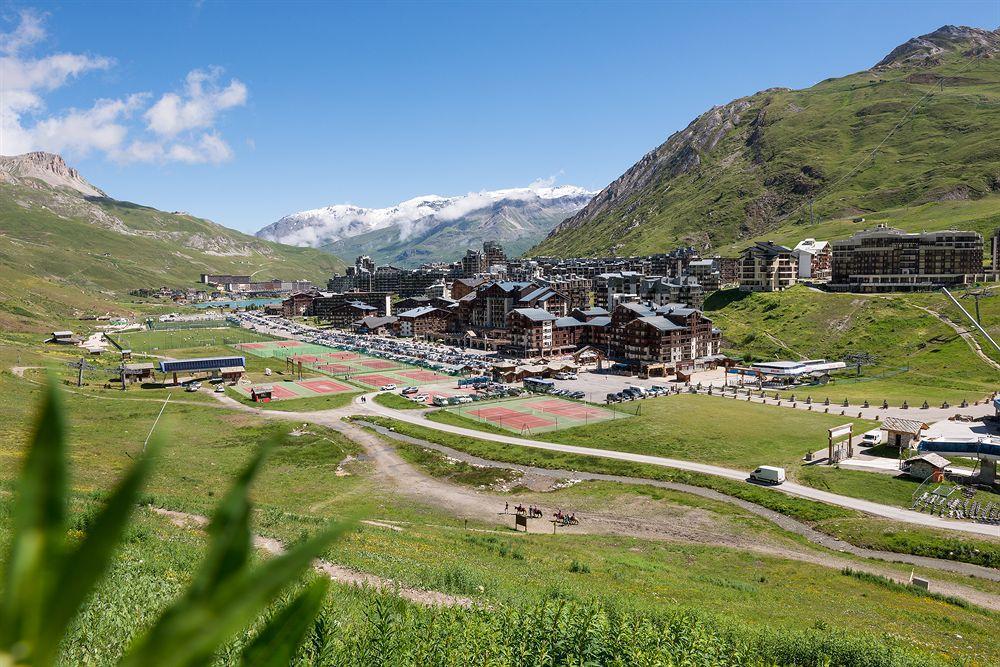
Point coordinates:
[(244, 112)]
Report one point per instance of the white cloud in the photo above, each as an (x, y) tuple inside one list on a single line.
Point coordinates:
[(178, 127), (201, 102)]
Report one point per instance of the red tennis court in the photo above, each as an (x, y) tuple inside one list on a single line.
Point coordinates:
[(279, 392), (307, 358), (288, 343), (324, 386), (565, 409), (374, 380), (512, 419), (341, 356), (251, 346), (378, 364)]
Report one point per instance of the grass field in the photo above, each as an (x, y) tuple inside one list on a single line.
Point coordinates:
[(301, 487), (916, 356), (699, 428)]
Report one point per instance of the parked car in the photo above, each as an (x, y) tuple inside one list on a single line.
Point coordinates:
[(388, 387), (768, 475), (577, 394), (220, 389), (193, 386), (611, 398), (440, 401), (409, 390), (419, 398)]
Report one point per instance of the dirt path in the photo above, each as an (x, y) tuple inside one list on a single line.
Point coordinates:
[(686, 528), (966, 334), (782, 521), (338, 573)]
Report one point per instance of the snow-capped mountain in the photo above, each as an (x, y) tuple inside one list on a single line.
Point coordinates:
[(431, 227)]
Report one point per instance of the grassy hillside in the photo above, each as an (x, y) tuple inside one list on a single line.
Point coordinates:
[(61, 254), (752, 166), (680, 592), (917, 356)]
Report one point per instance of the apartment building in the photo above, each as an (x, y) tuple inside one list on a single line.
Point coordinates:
[(885, 259), (815, 259), (767, 267)]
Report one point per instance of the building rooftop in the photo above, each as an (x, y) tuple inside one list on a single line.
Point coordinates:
[(535, 314)]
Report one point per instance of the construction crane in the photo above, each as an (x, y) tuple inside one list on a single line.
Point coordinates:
[(81, 365), (977, 294)]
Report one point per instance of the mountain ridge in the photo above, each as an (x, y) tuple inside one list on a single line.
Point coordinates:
[(64, 250), (744, 167), (432, 227)]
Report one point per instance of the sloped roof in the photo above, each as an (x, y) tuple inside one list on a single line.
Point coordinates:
[(935, 460), (419, 311), (568, 322), (659, 322), (535, 314), (903, 425)]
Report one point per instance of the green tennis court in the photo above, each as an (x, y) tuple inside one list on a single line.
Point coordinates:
[(536, 414)]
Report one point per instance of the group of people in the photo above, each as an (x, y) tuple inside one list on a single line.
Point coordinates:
[(533, 512)]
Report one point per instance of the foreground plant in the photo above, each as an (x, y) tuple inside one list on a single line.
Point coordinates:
[(47, 579)]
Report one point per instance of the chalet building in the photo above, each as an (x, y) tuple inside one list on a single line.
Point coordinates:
[(682, 289), (531, 333), (346, 314), (298, 304), (377, 325), (767, 267), (419, 322), (884, 259), (465, 286), (487, 307), (706, 272), (814, 260), (324, 306), (607, 285)]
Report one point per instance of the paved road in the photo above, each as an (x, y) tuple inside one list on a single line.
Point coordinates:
[(790, 488)]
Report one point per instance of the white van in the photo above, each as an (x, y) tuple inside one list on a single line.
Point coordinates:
[(872, 437), (640, 390), (768, 475)]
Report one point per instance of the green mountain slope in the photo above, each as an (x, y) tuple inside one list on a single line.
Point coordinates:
[(921, 126), (64, 251)]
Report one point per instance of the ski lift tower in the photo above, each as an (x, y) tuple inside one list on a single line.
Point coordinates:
[(81, 365)]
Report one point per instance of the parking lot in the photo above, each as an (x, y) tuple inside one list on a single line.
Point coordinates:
[(596, 386)]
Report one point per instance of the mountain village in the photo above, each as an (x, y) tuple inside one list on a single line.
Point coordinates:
[(528, 417)]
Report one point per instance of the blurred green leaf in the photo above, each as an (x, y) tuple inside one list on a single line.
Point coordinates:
[(82, 569), (39, 534), (229, 532), (192, 630), (276, 644)]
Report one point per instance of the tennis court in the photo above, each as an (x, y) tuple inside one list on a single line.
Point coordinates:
[(321, 357), (536, 414), (284, 391)]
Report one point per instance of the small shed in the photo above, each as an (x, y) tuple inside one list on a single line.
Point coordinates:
[(261, 393), (139, 372), (902, 433), (925, 465)]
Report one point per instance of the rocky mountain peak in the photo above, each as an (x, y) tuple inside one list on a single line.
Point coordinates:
[(927, 50), (49, 168)]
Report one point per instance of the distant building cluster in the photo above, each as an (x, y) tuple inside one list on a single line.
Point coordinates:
[(642, 312)]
